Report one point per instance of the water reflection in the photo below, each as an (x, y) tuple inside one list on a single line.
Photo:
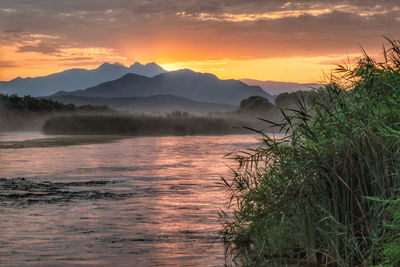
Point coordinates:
[(162, 210)]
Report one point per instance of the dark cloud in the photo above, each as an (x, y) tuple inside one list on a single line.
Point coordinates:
[(61, 58), (321, 27), (76, 58), (8, 64), (41, 47)]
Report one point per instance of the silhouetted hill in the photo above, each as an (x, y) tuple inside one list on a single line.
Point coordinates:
[(162, 103), (185, 83), (75, 79), (276, 88)]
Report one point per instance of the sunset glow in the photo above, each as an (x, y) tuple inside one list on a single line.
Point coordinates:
[(301, 69), (284, 41), (199, 133)]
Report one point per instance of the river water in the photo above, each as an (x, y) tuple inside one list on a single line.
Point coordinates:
[(148, 201)]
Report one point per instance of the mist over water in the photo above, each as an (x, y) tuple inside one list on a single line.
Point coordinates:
[(149, 201)]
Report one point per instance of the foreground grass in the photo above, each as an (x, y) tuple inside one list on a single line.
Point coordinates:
[(60, 141), (327, 194)]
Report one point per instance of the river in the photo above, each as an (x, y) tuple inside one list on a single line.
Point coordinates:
[(146, 201)]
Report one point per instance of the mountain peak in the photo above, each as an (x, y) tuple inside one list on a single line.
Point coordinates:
[(153, 64), (136, 65), (148, 70), (17, 79), (185, 71), (108, 65)]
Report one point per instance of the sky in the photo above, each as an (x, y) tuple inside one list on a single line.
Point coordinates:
[(295, 41)]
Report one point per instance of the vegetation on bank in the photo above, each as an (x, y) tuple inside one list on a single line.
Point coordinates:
[(159, 124), (255, 104), (290, 100), (29, 113), (174, 123), (328, 194), (31, 104)]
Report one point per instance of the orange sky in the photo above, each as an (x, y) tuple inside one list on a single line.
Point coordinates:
[(293, 69), (267, 40)]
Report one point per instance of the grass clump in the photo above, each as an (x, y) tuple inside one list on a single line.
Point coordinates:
[(320, 195)]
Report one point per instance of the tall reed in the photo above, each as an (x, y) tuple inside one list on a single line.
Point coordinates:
[(321, 195)]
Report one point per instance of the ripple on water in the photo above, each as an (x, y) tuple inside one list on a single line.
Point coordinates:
[(137, 202)]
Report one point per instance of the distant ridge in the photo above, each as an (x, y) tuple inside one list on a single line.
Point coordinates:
[(276, 88), (161, 103), (204, 87), (75, 79)]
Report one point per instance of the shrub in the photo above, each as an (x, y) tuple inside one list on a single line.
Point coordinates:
[(255, 104)]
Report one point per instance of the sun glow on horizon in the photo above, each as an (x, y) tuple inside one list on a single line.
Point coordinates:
[(286, 69), (292, 69), (284, 40)]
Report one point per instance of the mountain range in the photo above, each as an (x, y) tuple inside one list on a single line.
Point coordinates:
[(146, 88), (75, 79), (203, 87), (276, 88)]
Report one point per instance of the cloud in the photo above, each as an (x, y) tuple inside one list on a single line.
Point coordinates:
[(200, 29), (255, 16), (61, 58), (41, 47), (76, 58), (57, 32), (8, 64)]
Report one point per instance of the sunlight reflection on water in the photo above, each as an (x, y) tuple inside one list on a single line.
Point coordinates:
[(158, 205)]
